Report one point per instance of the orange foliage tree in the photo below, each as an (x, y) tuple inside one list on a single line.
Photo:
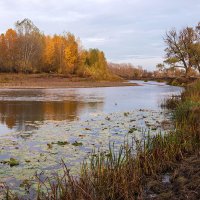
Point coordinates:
[(27, 50)]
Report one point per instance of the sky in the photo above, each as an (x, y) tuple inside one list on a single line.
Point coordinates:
[(128, 31)]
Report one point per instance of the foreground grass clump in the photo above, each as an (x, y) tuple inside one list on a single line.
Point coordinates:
[(122, 174), (192, 92), (171, 103)]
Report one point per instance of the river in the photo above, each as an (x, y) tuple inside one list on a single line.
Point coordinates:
[(34, 123)]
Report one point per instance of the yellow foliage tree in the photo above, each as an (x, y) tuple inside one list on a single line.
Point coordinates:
[(3, 53), (71, 53), (48, 55), (12, 50)]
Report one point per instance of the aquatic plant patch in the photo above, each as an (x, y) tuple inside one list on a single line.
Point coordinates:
[(44, 148)]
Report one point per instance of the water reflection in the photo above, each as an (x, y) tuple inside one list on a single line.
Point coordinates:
[(16, 114), (19, 107)]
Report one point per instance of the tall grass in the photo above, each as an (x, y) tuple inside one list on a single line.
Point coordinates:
[(122, 175), (192, 93)]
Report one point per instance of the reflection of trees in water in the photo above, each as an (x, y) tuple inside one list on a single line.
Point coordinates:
[(16, 113)]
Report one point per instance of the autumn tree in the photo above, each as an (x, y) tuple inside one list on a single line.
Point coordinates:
[(59, 52), (160, 67), (83, 63), (29, 44), (126, 70), (3, 53), (71, 54), (95, 64), (49, 61), (183, 49), (195, 49), (54, 53), (12, 49), (27, 50)]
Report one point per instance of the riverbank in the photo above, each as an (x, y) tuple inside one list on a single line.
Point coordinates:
[(182, 182), (174, 81), (55, 81)]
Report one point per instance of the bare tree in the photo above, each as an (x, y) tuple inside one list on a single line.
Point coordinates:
[(30, 45), (175, 55)]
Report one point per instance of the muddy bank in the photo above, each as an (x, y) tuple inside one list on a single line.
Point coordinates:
[(183, 182), (54, 81)]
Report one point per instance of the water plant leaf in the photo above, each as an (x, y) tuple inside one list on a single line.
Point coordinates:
[(77, 143)]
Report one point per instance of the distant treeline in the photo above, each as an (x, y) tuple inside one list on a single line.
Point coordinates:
[(26, 49), (128, 71)]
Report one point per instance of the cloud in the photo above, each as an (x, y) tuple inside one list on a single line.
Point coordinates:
[(70, 17), (94, 40), (121, 28)]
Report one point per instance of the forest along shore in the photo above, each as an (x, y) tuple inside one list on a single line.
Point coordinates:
[(55, 81)]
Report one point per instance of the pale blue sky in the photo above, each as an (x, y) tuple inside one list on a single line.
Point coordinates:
[(126, 30)]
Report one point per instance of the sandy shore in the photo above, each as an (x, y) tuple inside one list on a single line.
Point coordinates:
[(54, 81)]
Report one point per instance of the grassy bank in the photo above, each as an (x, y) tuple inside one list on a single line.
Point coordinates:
[(133, 172), (174, 81)]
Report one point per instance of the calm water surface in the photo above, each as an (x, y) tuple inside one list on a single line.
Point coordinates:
[(19, 107)]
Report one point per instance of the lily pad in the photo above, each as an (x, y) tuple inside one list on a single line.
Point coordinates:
[(77, 143), (61, 143), (13, 162)]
